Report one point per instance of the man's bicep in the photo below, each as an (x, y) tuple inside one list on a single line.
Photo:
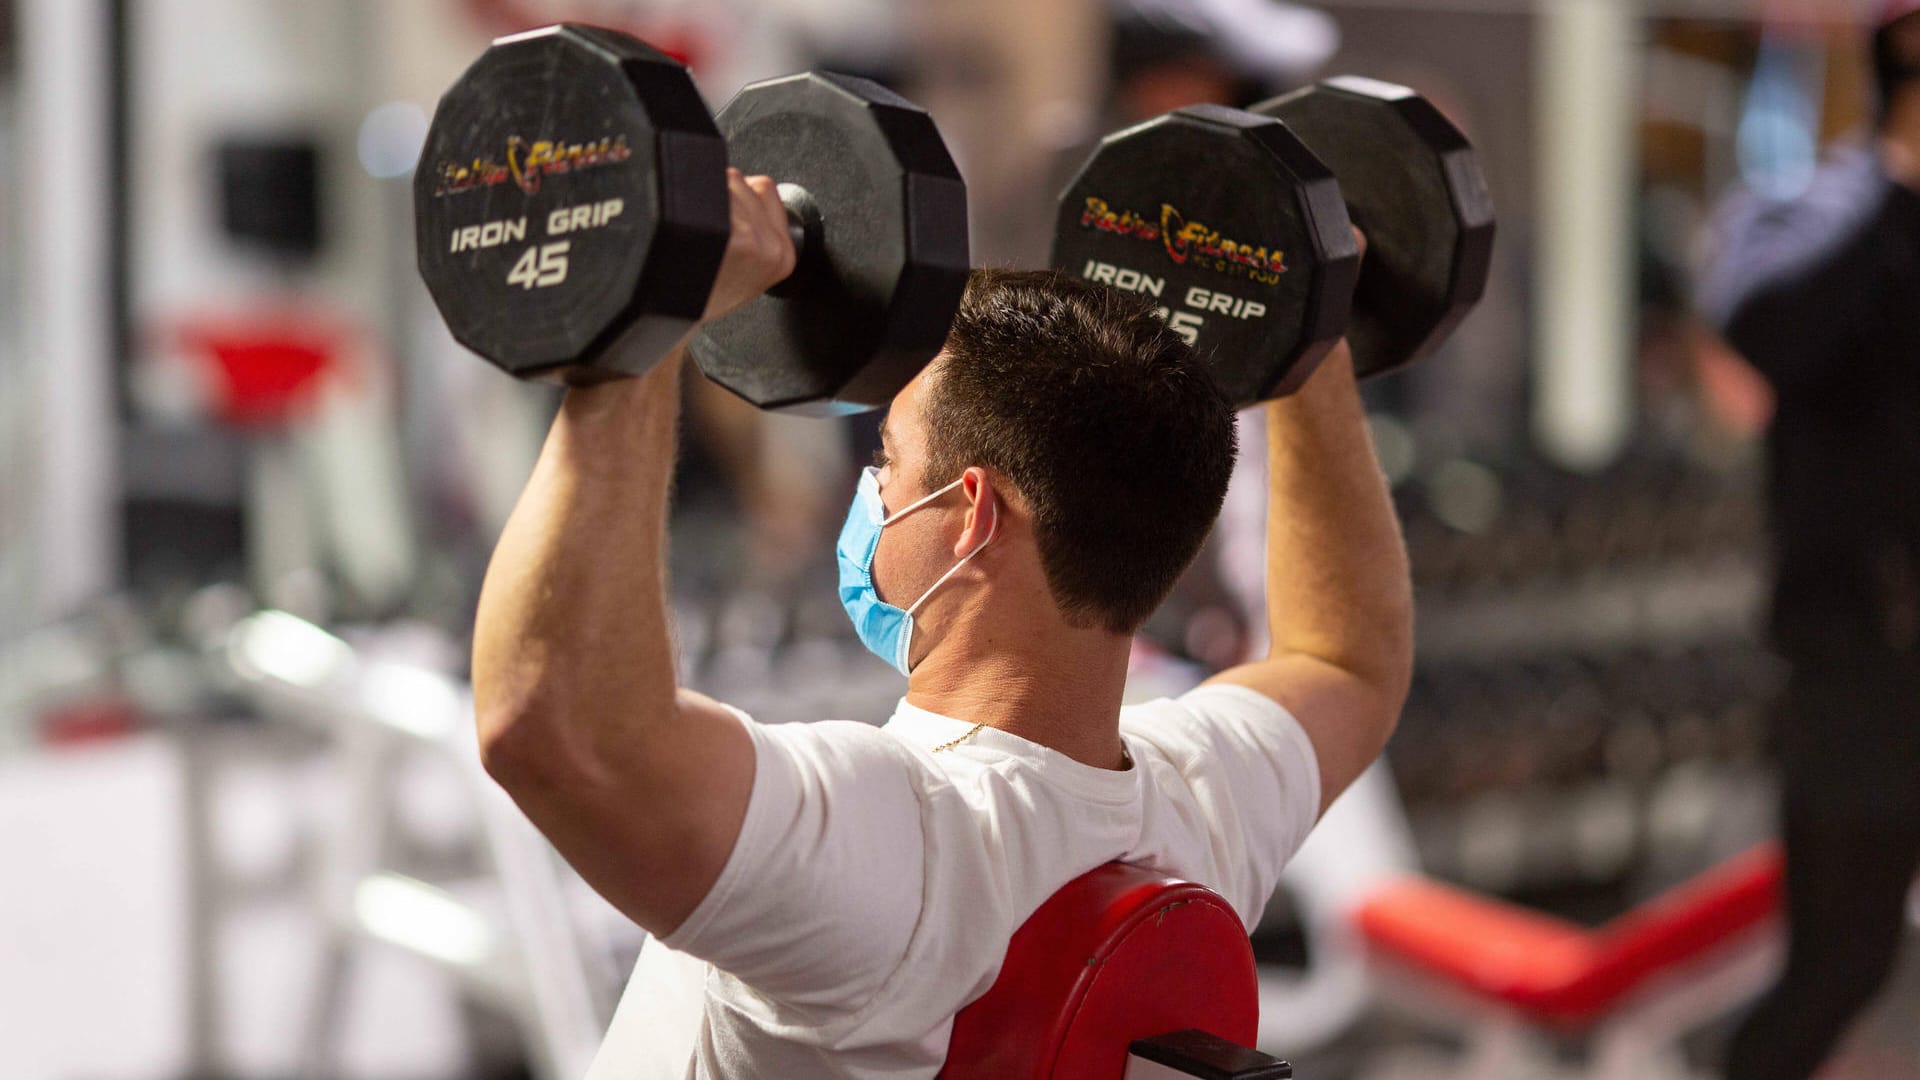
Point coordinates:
[(1345, 718)]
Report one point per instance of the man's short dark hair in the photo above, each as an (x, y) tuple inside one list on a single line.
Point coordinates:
[(1105, 421)]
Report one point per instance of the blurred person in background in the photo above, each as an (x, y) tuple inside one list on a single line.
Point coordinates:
[(1170, 53), (1167, 54), (1819, 293)]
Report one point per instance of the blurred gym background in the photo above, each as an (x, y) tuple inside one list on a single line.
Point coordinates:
[(248, 485)]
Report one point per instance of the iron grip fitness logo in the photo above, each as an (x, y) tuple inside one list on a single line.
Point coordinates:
[(1188, 242), (527, 162)]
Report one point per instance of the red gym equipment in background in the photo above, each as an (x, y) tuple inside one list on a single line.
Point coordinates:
[(264, 369), (1516, 981)]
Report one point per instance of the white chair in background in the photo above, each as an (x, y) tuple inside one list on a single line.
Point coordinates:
[(515, 939)]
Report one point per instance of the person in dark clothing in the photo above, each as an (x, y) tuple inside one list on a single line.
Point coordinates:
[(1822, 295)]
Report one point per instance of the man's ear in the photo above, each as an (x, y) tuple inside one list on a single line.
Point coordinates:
[(984, 507)]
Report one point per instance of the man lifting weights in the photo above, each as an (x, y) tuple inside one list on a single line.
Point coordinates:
[(828, 895)]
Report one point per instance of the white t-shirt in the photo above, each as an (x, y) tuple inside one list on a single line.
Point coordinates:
[(875, 884)]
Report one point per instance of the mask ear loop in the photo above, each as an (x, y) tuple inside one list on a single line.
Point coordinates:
[(992, 531), (917, 503)]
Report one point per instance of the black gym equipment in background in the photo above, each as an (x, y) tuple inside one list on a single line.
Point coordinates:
[(269, 193)]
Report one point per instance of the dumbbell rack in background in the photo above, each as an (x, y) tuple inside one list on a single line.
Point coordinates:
[(1588, 707)]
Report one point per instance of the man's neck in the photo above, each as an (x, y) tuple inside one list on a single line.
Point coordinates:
[(1063, 694)]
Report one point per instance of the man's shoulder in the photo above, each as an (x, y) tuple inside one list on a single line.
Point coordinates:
[(852, 737), (1208, 702), (1211, 727), (838, 758)]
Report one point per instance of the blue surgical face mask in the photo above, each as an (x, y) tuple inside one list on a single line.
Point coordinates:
[(884, 629)]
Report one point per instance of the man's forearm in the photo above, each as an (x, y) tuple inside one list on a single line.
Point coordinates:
[(571, 644), (1338, 588)]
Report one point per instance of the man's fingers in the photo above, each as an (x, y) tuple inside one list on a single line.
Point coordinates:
[(772, 220), (759, 218), (764, 186), (767, 196), (760, 251), (739, 205)]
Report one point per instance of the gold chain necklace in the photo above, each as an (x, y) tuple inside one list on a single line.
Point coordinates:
[(1125, 755), (975, 730)]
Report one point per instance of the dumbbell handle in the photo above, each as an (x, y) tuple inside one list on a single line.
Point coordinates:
[(803, 225)]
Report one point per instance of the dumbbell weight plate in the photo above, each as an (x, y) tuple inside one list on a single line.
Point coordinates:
[(1414, 187), (570, 207), (1233, 227), (884, 259)]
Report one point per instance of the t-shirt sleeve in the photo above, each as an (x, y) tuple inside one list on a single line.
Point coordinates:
[(818, 901), (1252, 778)]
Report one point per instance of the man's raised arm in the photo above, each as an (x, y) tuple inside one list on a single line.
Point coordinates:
[(641, 785), (1339, 597)]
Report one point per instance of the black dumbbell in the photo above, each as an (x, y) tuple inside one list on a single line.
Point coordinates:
[(571, 213), (1237, 225), (1414, 186)]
